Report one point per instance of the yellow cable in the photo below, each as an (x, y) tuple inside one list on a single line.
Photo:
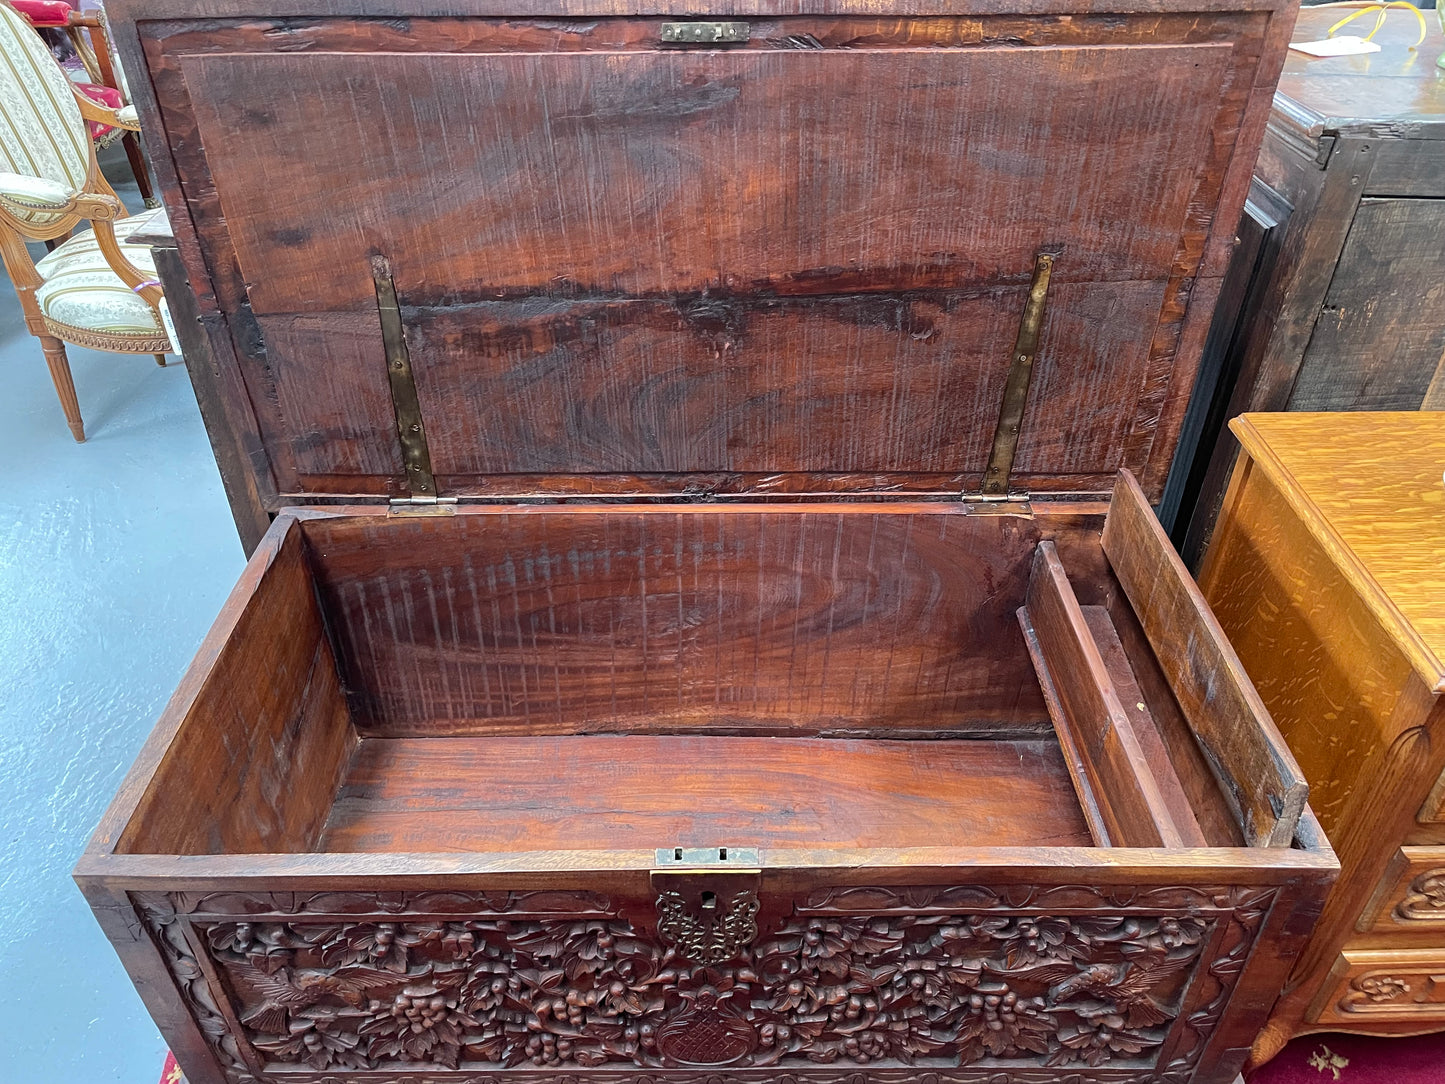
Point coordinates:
[(1382, 10)]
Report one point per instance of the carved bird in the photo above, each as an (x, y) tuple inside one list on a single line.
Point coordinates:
[(1127, 986), (281, 995)]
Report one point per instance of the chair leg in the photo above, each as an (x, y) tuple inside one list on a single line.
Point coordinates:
[(161, 360), (138, 166), (64, 385)]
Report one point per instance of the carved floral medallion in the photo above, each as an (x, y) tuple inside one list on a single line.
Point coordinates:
[(1400, 991), (1424, 901)]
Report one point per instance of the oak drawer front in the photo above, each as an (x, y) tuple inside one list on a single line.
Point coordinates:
[(1390, 985), (1411, 895)]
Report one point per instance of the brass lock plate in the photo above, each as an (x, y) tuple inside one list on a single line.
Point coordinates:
[(707, 901), (702, 33)]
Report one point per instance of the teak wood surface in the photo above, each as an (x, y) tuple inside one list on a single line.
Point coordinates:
[(702, 739), (1326, 574)]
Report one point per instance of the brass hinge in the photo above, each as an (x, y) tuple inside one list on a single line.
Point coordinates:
[(1016, 389), (422, 499), (422, 506)]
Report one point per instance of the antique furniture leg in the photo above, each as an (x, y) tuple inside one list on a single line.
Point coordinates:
[(138, 166), (89, 289), (64, 385)]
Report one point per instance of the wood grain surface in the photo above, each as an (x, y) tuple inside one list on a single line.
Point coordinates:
[(820, 619), (1369, 487), (255, 763), (1380, 337), (845, 383), (795, 320), (780, 269), (1206, 799), (1348, 314), (1346, 677), (1095, 731), (1249, 757), (1315, 651), (649, 791), (1395, 92), (1158, 757), (723, 155)]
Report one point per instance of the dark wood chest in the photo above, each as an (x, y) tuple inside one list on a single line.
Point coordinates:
[(713, 626)]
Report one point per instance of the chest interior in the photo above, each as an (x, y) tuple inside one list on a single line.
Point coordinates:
[(830, 307), (648, 678)]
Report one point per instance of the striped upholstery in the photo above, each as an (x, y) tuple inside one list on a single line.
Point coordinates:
[(81, 291), (42, 133)]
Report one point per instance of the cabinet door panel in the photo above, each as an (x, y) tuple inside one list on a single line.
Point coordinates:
[(1379, 341)]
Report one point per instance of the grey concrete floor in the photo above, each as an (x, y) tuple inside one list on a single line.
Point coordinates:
[(115, 556)]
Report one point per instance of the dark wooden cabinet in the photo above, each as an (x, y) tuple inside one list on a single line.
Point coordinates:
[(1338, 297), (713, 626)]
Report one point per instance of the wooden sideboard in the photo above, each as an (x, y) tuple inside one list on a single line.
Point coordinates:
[(1335, 299), (1327, 572)]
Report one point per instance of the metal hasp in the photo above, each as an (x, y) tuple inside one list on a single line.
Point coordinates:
[(704, 33), (410, 431), (1016, 390)]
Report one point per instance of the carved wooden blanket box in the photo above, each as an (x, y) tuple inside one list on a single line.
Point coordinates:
[(711, 629)]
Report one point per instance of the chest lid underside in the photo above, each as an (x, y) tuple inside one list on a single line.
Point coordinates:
[(800, 262)]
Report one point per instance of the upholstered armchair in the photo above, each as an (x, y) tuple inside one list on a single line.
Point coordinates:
[(95, 289), (104, 82)]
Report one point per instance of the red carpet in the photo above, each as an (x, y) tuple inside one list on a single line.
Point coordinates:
[(1314, 1059), (1355, 1059)]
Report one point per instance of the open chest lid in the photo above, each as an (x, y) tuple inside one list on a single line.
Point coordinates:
[(782, 255)]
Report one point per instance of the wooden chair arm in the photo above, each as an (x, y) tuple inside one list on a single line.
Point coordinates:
[(21, 196), (102, 210), (124, 117), (145, 287)]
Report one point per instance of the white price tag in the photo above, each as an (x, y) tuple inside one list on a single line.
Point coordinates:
[(1344, 45)]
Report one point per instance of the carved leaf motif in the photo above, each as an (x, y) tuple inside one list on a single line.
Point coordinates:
[(1378, 988)]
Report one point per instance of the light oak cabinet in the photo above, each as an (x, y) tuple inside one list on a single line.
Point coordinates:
[(1327, 572)]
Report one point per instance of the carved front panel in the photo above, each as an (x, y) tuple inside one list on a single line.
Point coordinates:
[(1035, 984)]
